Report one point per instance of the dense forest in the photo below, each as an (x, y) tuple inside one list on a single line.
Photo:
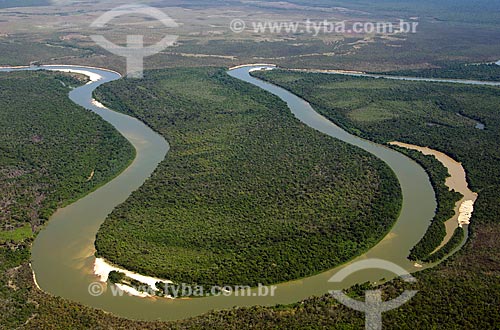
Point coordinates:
[(51, 153), (441, 116), (51, 150), (247, 194), (463, 292)]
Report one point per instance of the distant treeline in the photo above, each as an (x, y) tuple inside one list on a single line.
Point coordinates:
[(485, 72)]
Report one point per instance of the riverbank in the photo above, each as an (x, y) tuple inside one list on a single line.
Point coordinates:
[(256, 66), (330, 71), (66, 246), (93, 77), (102, 268), (458, 182)]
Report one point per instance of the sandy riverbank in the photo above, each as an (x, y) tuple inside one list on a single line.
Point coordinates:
[(458, 182), (92, 76), (249, 65), (34, 278), (98, 104), (347, 72), (102, 268), (264, 68)]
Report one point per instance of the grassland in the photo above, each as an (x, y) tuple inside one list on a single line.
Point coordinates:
[(448, 34), (17, 235), (23, 3)]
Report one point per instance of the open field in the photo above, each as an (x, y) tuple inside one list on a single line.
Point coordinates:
[(60, 34)]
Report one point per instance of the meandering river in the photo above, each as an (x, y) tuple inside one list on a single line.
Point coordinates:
[(63, 252)]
